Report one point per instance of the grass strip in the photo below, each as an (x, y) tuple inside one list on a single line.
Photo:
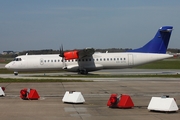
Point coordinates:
[(19, 80), (114, 76), (163, 64)]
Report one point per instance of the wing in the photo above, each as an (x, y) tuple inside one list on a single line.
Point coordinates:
[(78, 54), (87, 52)]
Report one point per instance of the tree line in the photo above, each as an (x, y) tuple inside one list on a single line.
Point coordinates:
[(51, 51)]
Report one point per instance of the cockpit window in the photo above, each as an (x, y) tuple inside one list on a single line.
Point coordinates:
[(17, 59)]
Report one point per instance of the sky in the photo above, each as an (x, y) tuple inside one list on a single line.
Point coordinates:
[(77, 24)]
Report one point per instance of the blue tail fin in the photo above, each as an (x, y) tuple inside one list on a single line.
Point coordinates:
[(159, 43)]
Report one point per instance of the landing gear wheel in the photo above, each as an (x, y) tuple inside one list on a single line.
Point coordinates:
[(15, 73), (83, 72)]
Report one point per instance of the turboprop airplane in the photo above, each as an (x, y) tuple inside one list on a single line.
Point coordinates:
[(86, 60)]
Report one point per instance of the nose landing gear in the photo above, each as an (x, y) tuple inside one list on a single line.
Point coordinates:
[(15, 73)]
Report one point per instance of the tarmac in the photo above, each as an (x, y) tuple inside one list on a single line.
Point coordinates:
[(96, 95)]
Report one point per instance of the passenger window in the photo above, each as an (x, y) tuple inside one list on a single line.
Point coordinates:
[(124, 58), (104, 59)]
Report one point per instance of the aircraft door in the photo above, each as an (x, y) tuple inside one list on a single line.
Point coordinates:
[(130, 60), (41, 61)]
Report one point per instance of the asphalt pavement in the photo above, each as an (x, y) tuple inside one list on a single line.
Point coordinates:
[(96, 95)]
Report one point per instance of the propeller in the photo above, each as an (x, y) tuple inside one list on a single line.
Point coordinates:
[(61, 51), (61, 54)]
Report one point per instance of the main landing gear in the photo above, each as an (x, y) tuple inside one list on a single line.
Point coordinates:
[(83, 72)]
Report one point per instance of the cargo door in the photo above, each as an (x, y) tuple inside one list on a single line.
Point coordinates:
[(130, 60)]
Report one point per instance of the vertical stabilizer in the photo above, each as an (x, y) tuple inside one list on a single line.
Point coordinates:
[(159, 43)]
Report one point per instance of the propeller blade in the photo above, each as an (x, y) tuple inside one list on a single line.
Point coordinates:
[(61, 52)]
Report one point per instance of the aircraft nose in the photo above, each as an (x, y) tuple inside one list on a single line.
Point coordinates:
[(7, 66)]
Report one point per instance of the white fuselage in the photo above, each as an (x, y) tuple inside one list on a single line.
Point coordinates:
[(97, 61)]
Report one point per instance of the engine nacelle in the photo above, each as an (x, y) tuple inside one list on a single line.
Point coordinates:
[(71, 55)]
